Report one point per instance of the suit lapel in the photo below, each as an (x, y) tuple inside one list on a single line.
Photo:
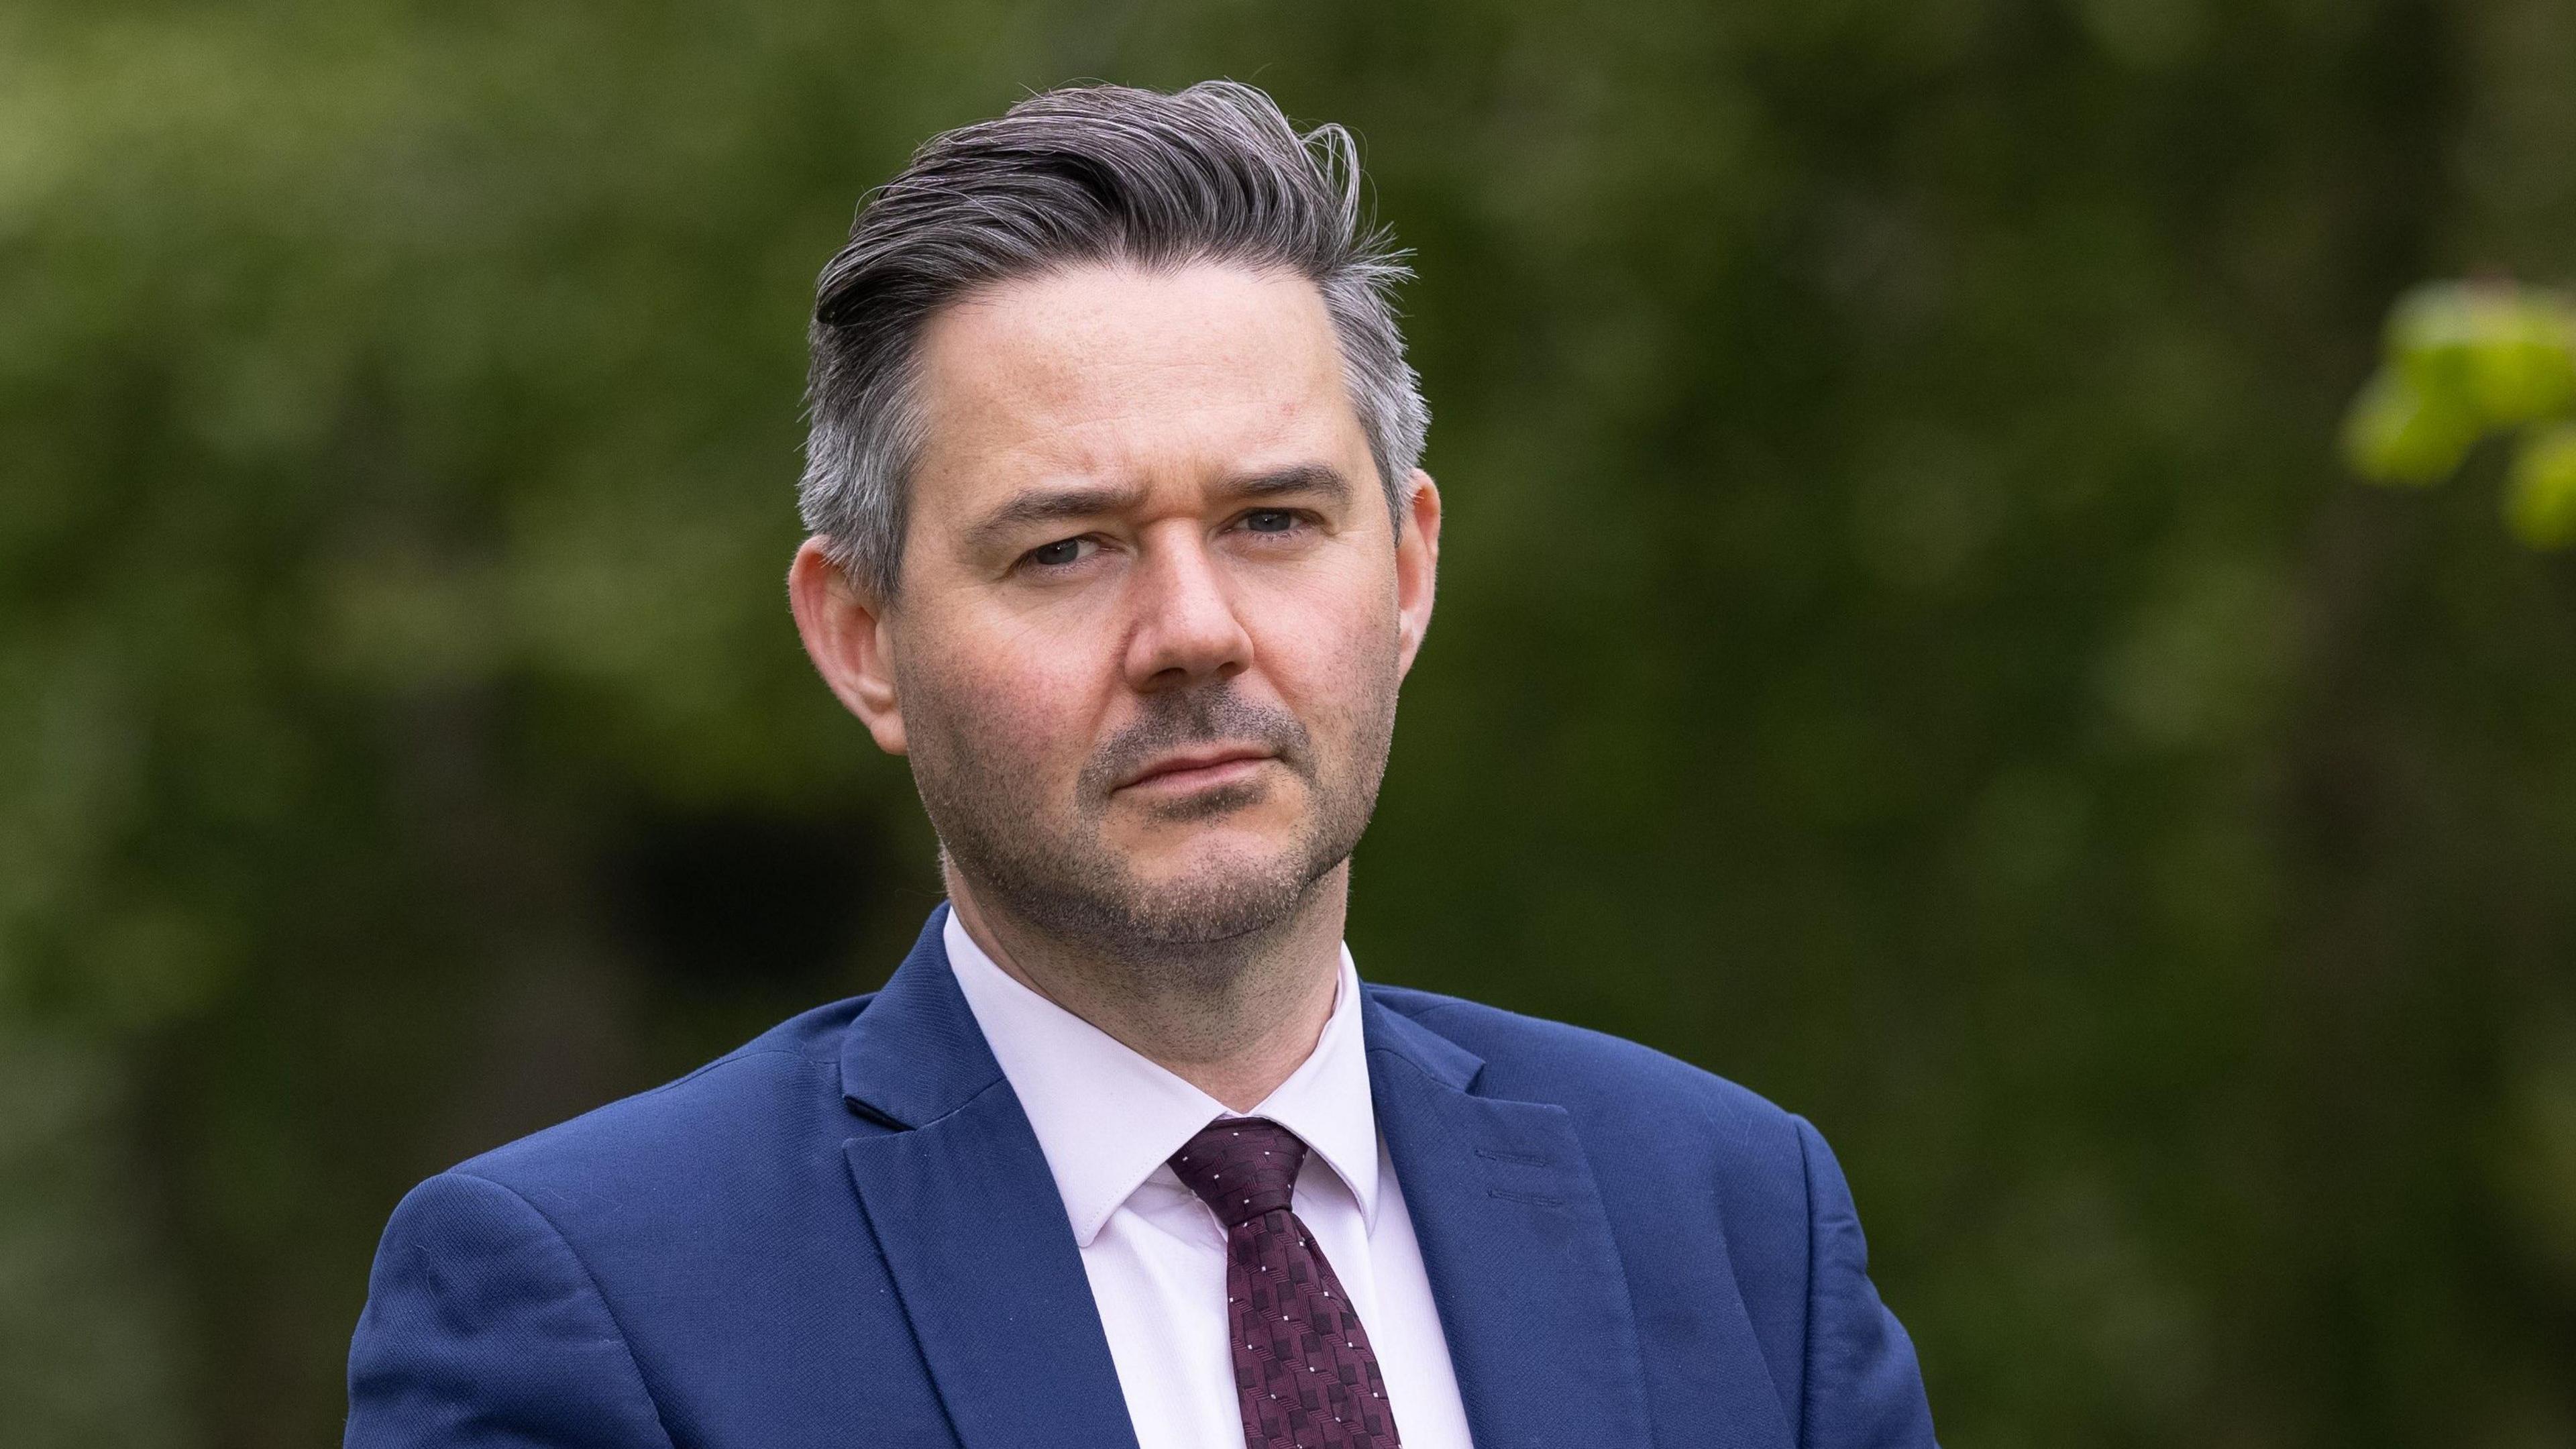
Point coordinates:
[(1531, 1291), (972, 1228)]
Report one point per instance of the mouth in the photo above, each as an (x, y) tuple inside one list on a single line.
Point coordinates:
[(1184, 771)]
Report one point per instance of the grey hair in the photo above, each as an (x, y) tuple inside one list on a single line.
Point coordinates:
[(1085, 174)]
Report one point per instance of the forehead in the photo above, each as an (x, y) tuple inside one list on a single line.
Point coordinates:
[(1115, 372)]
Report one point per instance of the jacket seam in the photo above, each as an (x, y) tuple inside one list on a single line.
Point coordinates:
[(1436, 1004), (969, 1100), (606, 1309), (730, 1059)]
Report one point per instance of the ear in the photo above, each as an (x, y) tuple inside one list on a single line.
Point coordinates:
[(848, 638), (1417, 565)]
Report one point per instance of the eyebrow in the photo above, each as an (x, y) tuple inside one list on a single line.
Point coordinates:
[(1298, 478), (1046, 506), (1055, 505)]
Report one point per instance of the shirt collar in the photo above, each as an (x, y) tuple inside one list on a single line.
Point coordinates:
[(1106, 1116)]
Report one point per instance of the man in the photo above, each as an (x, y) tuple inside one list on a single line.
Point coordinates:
[(1118, 539)]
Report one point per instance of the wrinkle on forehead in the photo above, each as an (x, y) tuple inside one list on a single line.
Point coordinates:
[(1114, 371)]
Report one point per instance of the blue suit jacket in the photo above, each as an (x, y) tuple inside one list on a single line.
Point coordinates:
[(844, 1234)]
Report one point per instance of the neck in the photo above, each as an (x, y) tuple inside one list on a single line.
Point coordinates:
[(1232, 1019)]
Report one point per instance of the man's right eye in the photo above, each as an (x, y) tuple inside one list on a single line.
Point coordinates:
[(1061, 552)]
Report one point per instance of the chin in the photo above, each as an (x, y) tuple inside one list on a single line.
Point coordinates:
[(1222, 891), (1215, 864)]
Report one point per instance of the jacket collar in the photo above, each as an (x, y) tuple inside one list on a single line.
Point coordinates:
[(1532, 1291), (1439, 1060), (915, 1055), (967, 1218)]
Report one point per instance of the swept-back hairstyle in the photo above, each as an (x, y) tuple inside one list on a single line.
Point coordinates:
[(1084, 174)]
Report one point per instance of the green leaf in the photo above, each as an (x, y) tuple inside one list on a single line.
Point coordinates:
[(2398, 433), (2505, 355), (2540, 497)]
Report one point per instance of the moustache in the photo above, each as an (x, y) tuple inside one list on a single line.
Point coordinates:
[(1210, 716)]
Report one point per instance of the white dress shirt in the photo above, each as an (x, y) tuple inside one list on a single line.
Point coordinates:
[(1108, 1120)]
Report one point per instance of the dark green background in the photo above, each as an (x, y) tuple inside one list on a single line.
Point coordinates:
[(1906, 643)]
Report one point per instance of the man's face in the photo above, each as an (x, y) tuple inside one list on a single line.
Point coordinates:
[(1153, 610)]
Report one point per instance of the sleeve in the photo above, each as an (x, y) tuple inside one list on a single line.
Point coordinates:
[(1863, 1388), (483, 1328)]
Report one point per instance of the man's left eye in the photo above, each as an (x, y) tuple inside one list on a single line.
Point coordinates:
[(1270, 520)]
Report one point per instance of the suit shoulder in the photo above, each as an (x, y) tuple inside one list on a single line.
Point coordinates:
[(1535, 1059), (1663, 1136), (756, 1099)]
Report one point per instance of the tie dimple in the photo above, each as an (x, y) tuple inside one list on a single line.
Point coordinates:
[(1242, 1167), (1304, 1374)]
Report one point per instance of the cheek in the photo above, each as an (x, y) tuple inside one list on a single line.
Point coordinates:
[(1332, 656), (1010, 698)]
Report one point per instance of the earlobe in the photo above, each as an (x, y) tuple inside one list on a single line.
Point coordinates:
[(847, 636)]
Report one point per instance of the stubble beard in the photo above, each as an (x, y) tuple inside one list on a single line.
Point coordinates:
[(1047, 861)]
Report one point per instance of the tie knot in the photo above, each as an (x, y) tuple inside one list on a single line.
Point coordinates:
[(1242, 1167)]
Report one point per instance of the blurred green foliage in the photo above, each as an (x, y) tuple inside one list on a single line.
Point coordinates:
[(2464, 360), (1907, 642)]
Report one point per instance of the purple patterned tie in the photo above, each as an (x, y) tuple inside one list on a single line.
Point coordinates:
[(1303, 1370)]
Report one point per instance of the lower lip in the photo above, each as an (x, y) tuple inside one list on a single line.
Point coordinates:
[(1199, 777)]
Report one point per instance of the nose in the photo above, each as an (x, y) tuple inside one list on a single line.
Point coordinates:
[(1186, 629)]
